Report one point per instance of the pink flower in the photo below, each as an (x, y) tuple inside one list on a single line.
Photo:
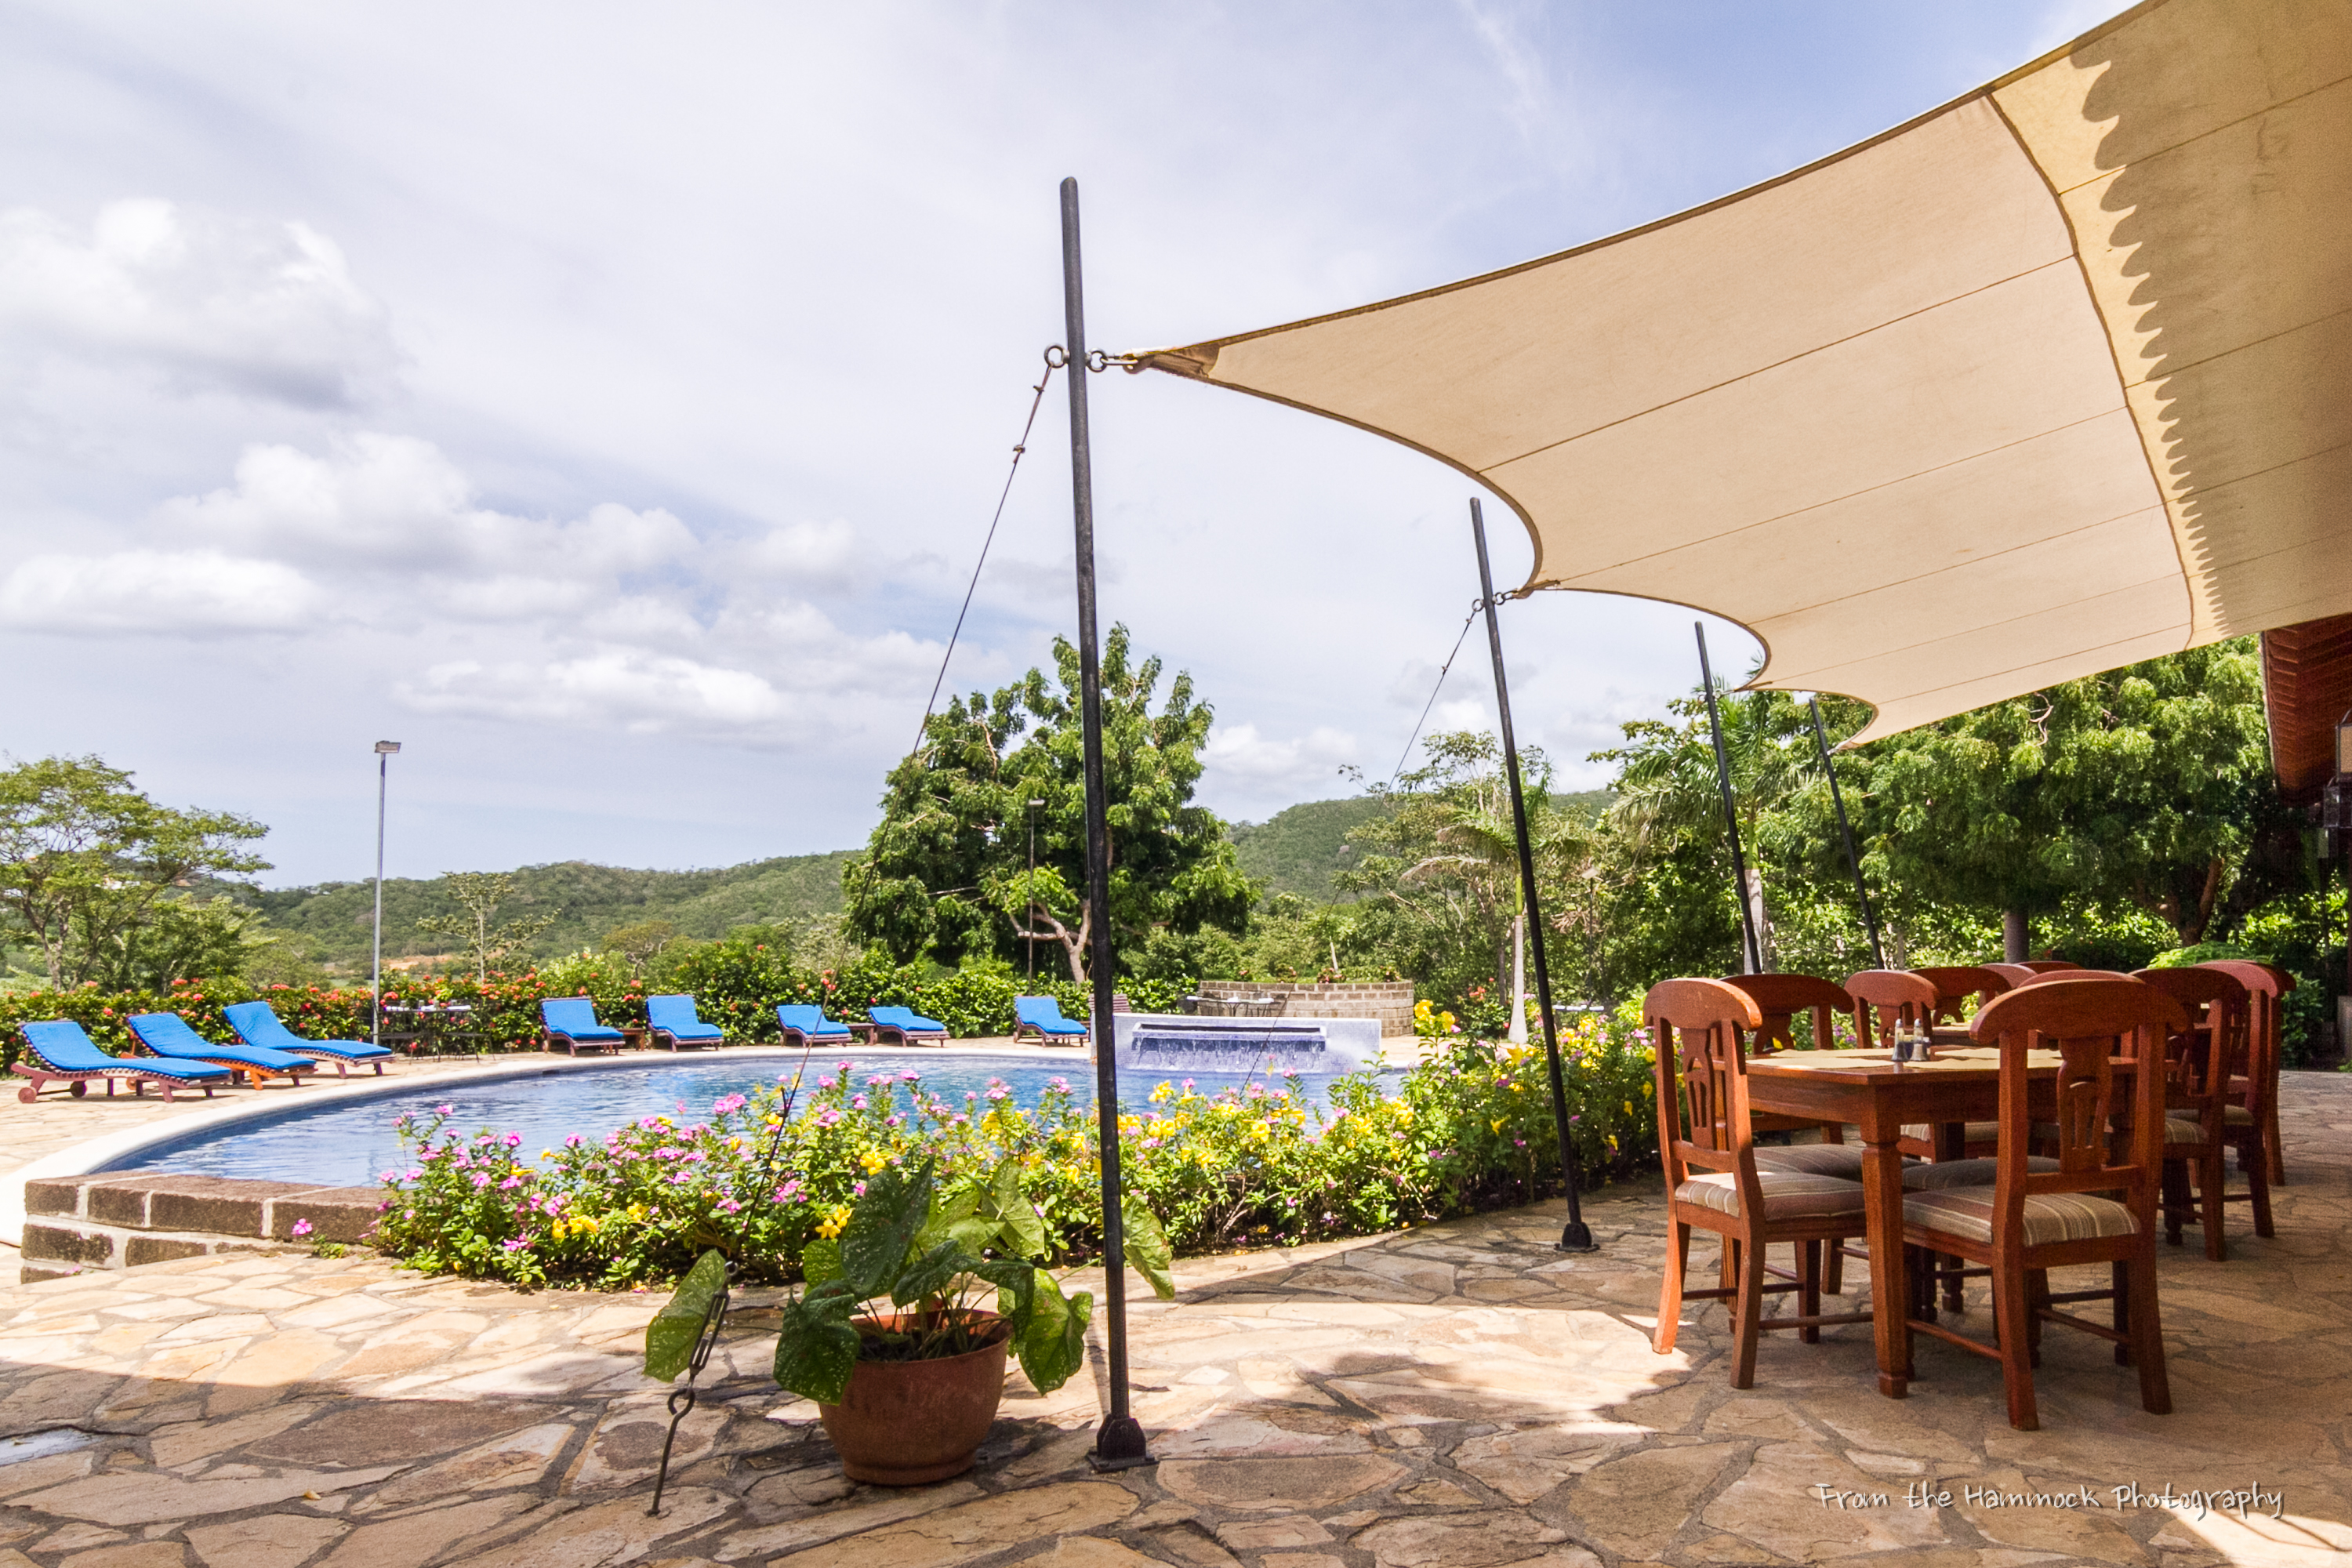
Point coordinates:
[(726, 1104), (857, 1102), (859, 1190), (825, 1083), (1058, 1085), (481, 1180), (301, 1229), (573, 1141), (910, 1076), (789, 1190), (514, 1139), (414, 1173)]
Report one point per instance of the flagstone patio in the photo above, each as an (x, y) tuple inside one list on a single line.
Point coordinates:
[(1456, 1397)]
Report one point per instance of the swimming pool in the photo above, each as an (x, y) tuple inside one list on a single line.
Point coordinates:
[(352, 1143)]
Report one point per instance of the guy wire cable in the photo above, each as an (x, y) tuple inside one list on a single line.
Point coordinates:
[(1425, 707)]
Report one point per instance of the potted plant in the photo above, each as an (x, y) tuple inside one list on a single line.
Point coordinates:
[(894, 1333)]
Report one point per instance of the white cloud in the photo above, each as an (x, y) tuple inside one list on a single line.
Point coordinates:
[(1238, 757), (267, 309), (189, 592), (644, 693)]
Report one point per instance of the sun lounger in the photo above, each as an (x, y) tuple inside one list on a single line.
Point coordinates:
[(59, 1051), (572, 1022), (168, 1035), (256, 1024), (806, 1023), (674, 1019), (1042, 1015), (907, 1025)]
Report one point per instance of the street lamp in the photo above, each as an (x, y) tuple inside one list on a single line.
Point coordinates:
[(1029, 915), (384, 754)]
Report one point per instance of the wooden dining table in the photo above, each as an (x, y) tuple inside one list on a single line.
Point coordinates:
[(1960, 1084)]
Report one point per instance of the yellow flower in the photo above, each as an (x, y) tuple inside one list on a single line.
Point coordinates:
[(1629, 1108), (636, 1211), (834, 1222), (1498, 1124), (1649, 1090), (873, 1162), (547, 1153)]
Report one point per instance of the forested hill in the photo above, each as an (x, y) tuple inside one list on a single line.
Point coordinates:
[(1298, 850), (330, 921)]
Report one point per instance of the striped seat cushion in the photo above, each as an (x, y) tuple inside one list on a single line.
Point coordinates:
[(1929, 1178), (2237, 1116), (1967, 1212), (2183, 1130), (1975, 1132), (1788, 1194), (1840, 1159)]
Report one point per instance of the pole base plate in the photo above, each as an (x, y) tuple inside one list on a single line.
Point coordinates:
[(1578, 1237), (1119, 1446)]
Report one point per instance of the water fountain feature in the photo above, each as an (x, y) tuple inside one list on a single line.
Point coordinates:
[(1172, 1045)]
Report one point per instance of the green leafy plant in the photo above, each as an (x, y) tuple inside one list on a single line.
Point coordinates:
[(903, 1277)]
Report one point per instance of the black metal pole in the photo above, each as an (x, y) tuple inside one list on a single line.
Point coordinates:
[(1755, 949), (1845, 831), (1576, 1236), (1120, 1443)]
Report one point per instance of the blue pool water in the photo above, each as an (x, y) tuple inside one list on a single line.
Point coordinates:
[(352, 1143)]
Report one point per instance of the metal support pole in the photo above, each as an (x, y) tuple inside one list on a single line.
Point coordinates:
[(1754, 948), (1120, 1443), (1845, 831), (384, 754), (1576, 1236)]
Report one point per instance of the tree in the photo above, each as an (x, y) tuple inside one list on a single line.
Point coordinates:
[(2150, 785), (1441, 866), (946, 870), (90, 872), (479, 894), (640, 940)]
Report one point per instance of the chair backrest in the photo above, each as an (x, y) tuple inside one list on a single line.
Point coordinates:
[(898, 1016), (1780, 997), (1956, 983), (2017, 974), (1886, 997), (2041, 975), (63, 1044), (167, 1034), (2266, 988), (1033, 1010), (258, 1023), (1701, 1081), (808, 1017), (2097, 1025), (565, 1014), (672, 1012), (2212, 1050), (2047, 965)]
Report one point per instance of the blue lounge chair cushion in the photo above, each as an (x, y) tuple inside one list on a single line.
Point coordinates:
[(574, 1017), (168, 1035), (63, 1045), (808, 1019), (906, 1020), (675, 1017), (258, 1023), (1043, 1014)]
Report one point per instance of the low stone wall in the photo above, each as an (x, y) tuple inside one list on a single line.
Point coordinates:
[(124, 1218), (1390, 1001)]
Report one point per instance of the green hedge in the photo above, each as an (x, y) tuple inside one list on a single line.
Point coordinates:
[(736, 986)]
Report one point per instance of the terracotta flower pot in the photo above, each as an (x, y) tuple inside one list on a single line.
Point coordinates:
[(903, 1423)]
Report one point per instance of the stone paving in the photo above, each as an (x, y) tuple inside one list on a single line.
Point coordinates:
[(1455, 1397)]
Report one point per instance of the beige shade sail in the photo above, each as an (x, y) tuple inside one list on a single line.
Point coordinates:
[(2053, 379)]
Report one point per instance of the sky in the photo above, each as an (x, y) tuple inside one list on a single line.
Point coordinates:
[(609, 402)]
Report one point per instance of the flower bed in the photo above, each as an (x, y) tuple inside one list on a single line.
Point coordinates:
[(1471, 1130)]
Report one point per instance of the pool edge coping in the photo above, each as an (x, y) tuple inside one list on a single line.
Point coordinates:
[(90, 1156)]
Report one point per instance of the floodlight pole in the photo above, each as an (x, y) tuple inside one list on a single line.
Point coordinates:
[(1576, 1236), (1120, 1445), (1754, 948), (1845, 831), (384, 751)]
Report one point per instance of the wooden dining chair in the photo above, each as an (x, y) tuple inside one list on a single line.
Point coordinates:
[(2204, 1061), (2017, 974), (2109, 1035), (2266, 991), (1708, 1146), (2048, 965), (1885, 998), (1779, 998), (1957, 983)]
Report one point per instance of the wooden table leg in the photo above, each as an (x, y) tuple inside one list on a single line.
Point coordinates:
[(1882, 1183)]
